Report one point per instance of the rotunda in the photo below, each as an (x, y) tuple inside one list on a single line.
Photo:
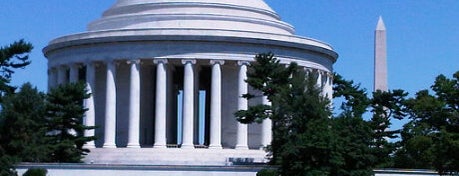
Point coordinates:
[(166, 77)]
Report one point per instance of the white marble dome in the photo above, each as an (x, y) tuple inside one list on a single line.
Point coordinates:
[(243, 15)]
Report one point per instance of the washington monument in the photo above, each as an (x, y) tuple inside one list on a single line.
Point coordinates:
[(380, 75)]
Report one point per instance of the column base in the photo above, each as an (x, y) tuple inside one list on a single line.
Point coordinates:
[(187, 146), (109, 146), (133, 146), (159, 146), (213, 146), (262, 147), (90, 145), (242, 147)]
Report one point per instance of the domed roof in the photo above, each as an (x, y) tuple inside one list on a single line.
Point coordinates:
[(248, 22), (227, 15)]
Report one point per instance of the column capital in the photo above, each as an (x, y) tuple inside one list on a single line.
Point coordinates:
[(322, 72), (114, 62), (246, 63), (308, 69), (160, 61), (185, 61), (62, 66), (133, 61), (92, 63), (219, 62), (52, 68), (75, 65), (330, 78)]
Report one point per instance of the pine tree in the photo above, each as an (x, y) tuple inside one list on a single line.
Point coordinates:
[(303, 142), (385, 106), (356, 99), (306, 139), (23, 124), (12, 57), (65, 113), (431, 138), (7, 164), (355, 135)]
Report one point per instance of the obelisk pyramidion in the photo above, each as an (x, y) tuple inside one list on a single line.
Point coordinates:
[(380, 79)]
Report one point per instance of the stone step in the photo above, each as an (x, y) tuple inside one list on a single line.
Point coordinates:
[(175, 156)]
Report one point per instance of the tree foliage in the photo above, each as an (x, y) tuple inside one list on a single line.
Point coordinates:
[(348, 144), (12, 57), (354, 140), (306, 140), (23, 124), (36, 172), (356, 99), (35, 127), (355, 136), (431, 138), (65, 114), (385, 107), (375, 133), (7, 164)]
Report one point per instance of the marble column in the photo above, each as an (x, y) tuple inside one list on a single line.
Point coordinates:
[(319, 81), (61, 74), (329, 86), (266, 128), (74, 70), (110, 106), (52, 78), (216, 105), (188, 104), (73, 78), (89, 116), (134, 105), (242, 129), (161, 106)]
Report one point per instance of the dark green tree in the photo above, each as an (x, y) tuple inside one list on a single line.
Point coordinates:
[(65, 113), (431, 138), (12, 57), (375, 134), (7, 164), (355, 135), (354, 138), (356, 101), (36, 172), (303, 140), (306, 139), (415, 147), (23, 124), (385, 107)]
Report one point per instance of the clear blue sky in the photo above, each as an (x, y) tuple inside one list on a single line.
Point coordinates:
[(423, 35)]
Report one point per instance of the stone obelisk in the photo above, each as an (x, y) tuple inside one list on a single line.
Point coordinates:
[(380, 80)]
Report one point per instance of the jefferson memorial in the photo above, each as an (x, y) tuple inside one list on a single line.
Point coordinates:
[(166, 77)]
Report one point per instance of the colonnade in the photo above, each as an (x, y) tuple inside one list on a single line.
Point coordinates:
[(70, 73)]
